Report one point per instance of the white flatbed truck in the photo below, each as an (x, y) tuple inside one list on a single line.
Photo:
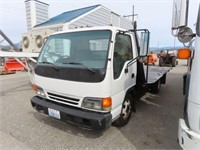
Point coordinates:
[(93, 76)]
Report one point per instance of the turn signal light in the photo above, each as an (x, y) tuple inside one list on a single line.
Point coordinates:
[(106, 103), (34, 88), (184, 53)]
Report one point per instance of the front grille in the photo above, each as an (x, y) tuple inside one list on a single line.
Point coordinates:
[(63, 99)]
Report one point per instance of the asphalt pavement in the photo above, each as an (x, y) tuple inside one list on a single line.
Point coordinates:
[(153, 126)]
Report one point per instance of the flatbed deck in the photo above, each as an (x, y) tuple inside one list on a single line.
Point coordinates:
[(155, 73)]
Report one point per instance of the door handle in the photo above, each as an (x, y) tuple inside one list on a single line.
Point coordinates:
[(132, 75)]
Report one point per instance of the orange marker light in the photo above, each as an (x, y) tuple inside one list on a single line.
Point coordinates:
[(34, 88), (184, 53), (106, 103)]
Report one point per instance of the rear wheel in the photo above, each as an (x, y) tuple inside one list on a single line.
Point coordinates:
[(173, 61), (155, 87), (125, 112), (160, 62)]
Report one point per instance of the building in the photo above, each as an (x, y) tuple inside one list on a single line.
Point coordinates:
[(96, 15), (36, 13)]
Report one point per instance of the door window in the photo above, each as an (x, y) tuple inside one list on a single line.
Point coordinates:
[(122, 53)]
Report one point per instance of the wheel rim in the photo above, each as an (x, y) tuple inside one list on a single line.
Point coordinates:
[(126, 109)]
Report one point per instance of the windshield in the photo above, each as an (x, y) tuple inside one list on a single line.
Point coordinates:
[(86, 49), (76, 56)]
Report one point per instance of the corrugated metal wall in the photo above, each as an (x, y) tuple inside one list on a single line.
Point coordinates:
[(126, 24), (97, 18), (101, 17)]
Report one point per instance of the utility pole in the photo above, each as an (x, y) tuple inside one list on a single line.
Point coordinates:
[(133, 14)]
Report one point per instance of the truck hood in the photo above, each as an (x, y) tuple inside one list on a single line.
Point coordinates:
[(72, 88)]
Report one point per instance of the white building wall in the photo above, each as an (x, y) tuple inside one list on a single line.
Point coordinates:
[(125, 23), (115, 19), (36, 13), (97, 18), (101, 17)]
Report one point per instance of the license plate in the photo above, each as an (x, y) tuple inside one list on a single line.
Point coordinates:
[(54, 113)]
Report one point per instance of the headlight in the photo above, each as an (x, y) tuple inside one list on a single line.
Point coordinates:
[(97, 103), (39, 91), (92, 103)]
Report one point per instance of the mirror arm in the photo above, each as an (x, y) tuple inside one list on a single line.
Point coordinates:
[(176, 29), (174, 34), (135, 30)]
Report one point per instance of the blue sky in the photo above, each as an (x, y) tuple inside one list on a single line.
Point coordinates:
[(154, 15)]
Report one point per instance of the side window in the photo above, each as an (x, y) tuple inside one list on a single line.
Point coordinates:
[(122, 53)]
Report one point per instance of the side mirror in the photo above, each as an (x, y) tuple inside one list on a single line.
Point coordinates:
[(184, 53), (185, 34), (144, 43), (180, 13)]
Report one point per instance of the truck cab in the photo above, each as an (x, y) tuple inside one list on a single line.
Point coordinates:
[(84, 70)]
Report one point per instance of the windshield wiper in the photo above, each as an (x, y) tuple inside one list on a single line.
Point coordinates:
[(52, 64), (76, 63)]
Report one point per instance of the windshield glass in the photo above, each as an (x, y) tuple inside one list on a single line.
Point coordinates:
[(86, 49)]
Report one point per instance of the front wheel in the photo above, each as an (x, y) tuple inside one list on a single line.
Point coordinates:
[(125, 112)]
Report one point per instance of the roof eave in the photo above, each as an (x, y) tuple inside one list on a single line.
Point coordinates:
[(53, 26), (83, 15)]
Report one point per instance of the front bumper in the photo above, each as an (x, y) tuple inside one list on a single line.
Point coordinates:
[(89, 119), (188, 139)]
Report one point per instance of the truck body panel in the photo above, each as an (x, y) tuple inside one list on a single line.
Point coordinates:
[(194, 96), (189, 126), (187, 138)]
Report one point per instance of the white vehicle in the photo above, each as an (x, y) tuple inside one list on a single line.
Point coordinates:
[(189, 126), (92, 76)]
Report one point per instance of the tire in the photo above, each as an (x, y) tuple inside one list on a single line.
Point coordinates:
[(125, 112), (173, 61), (155, 87), (160, 62)]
